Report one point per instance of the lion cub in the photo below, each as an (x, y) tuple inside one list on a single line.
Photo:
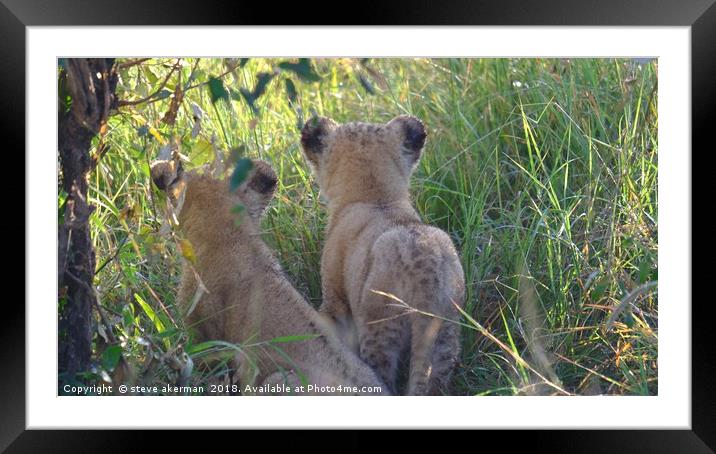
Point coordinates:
[(377, 249), (249, 300)]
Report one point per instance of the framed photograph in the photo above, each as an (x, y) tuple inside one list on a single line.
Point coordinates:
[(449, 219)]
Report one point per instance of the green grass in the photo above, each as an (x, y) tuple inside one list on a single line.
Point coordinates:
[(543, 171)]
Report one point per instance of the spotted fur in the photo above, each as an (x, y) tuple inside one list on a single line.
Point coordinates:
[(375, 241), (249, 299)]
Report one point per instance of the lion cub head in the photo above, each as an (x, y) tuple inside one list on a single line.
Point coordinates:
[(189, 190), (363, 161)]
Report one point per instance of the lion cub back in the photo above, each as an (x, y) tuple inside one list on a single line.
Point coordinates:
[(397, 278)]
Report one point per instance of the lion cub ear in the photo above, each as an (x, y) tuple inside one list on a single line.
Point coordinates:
[(313, 137), (166, 174), (259, 187), (413, 134)]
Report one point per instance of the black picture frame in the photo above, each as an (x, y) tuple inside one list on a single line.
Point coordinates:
[(700, 15)]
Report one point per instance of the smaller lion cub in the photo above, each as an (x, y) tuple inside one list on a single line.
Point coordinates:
[(249, 299), (377, 248)]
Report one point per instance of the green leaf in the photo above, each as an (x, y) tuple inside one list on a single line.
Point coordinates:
[(143, 130), (168, 333), (110, 357), (645, 271), (241, 171), (291, 92), (365, 83), (150, 313), (164, 94), (128, 316), (262, 80), (144, 168), (248, 97), (599, 290), (296, 338), (302, 69), (197, 348), (217, 90), (149, 74), (242, 62)]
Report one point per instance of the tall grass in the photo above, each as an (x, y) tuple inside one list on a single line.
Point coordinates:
[(543, 171)]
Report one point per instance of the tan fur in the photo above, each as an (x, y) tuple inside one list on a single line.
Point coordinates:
[(376, 241), (250, 301)]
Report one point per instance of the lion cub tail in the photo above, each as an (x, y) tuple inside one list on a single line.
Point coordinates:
[(435, 334), (434, 352)]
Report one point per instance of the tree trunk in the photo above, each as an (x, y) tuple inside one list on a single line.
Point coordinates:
[(90, 84)]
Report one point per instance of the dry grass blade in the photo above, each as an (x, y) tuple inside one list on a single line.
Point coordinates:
[(533, 322), (594, 372), (626, 301), (509, 351)]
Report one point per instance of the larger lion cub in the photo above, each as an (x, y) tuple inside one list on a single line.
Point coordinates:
[(249, 300), (377, 249)]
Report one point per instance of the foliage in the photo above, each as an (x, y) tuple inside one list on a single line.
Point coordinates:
[(543, 171)]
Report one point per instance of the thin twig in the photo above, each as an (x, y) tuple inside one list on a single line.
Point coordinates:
[(130, 63), (191, 74), (159, 301), (215, 77), (116, 253), (592, 371), (122, 103)]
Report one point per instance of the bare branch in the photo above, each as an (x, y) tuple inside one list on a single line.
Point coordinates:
[(130, 63)]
